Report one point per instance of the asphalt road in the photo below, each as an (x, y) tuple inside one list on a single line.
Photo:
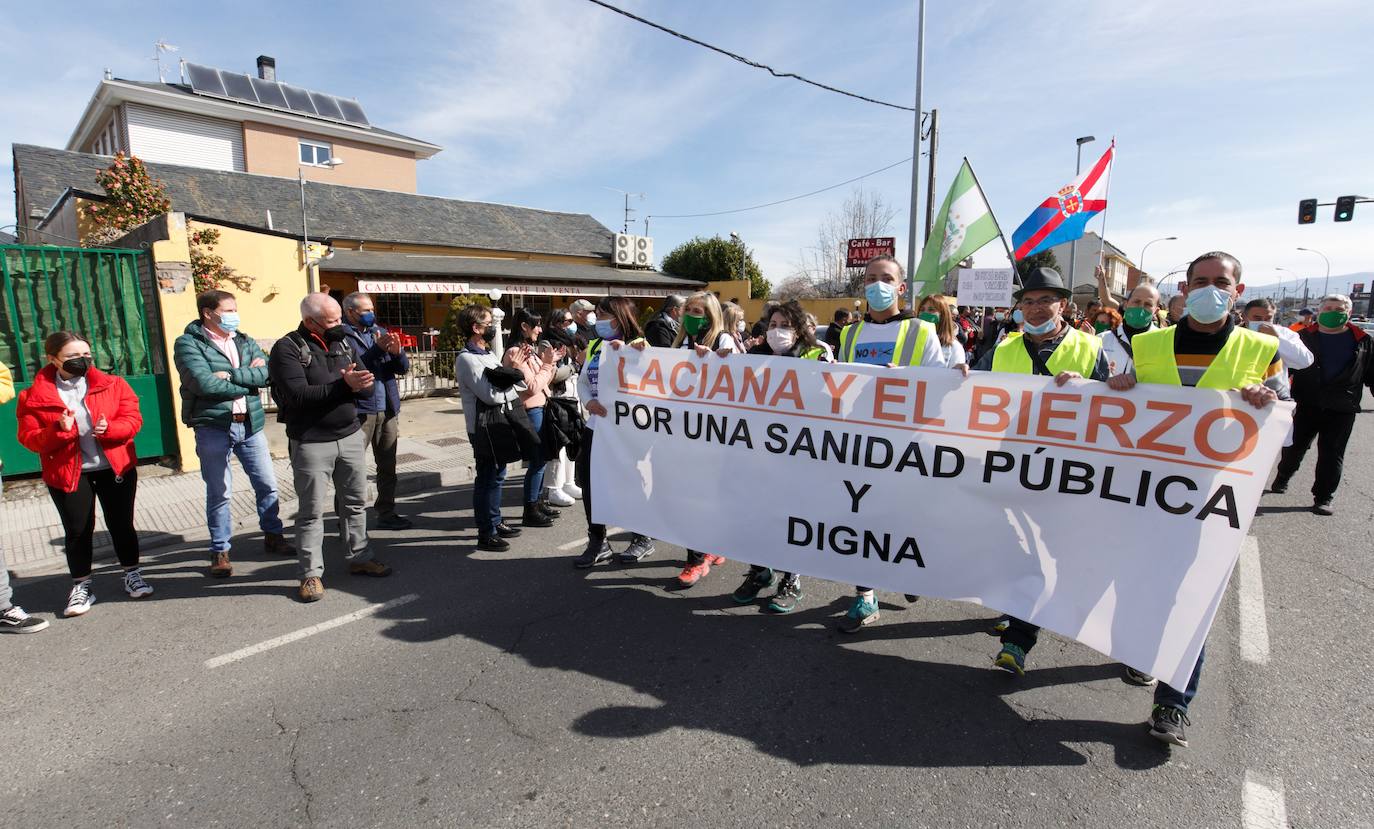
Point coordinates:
[(511, 690)]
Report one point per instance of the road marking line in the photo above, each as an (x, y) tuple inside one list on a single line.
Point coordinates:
[(253, 650), (1254, 630), (573, 545), (1264, 806)]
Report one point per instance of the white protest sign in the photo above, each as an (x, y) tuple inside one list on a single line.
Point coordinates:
[(990, 287), (1113, 518)]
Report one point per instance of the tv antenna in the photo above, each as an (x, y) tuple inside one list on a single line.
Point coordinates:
[(628, 210)]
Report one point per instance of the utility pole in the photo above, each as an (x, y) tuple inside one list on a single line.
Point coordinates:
[(913, 239), (930, 177)]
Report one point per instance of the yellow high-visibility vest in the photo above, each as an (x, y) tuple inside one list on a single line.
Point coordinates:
[(906, 352), (1243, 361), (1076, 352)]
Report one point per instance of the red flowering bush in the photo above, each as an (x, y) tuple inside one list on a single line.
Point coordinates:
[(132, 198)]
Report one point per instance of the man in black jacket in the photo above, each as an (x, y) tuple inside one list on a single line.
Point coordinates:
[(1328, 397), (315, 382), (662, 329)]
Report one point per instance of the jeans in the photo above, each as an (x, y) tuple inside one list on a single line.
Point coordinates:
[(1332, 432), (534, 467), (381, 431), (1168, 696), (486, 494), (6, 592), (77, 510), (313, 466), (214, 446)]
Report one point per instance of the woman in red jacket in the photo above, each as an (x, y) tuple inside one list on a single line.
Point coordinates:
[(81, 423)]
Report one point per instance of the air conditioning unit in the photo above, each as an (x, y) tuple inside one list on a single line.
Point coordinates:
[(644, 252), (623, 250)]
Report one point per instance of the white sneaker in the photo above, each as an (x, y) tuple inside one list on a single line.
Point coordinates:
[(558, 497), (80, 599), (573, 491), (135, 586)]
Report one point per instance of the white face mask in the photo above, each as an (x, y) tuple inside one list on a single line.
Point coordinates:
[(591, 319), (781, 339), (739, 326)]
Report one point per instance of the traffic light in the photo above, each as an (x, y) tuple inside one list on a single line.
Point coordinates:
[(1345, 208), (1307, 211)]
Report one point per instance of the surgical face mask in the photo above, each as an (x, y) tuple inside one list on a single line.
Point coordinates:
[(591, 319), (229, 321), (1208, 305), (605, 330), (693, 324), (1254, 325), (76, 366), (1332, 319), (1018, 317), (880, 295), (781, 339), (571, 329), (367, 319), (1138, 318), (1043, 328), (739, 326), (929, 316), (999, 315)]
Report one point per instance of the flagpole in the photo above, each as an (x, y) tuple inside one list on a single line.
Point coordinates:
[(1015, 275), (1102, 240)]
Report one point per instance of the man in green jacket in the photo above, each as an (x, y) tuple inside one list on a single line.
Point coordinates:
[(221, 371)]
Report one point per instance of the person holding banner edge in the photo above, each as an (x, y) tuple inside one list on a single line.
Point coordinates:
[(1205, 350), (886, 336)]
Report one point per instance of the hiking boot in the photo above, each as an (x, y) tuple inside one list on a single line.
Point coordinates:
[(80, 599), (1011, 659), (392, 521), (558, 497), (1140, 678), (532, 517), (1279, 486), (135, 586), (692, 573), (311, 590), (1166, 725), (598, 552), (641, 547), (754, 583), (788, 596), (864, 611), (545, 509), (220, 567), (371, 567), (492, 543), (275, 544), (506, 530), (13, 619), (1323, 508)]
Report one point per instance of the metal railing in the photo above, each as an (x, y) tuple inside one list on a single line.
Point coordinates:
[(422, 381)]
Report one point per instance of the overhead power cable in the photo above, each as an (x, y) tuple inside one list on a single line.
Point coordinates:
[(780, 201), (746, 61)]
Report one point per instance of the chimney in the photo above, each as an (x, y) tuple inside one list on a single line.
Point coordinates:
[(267, 68)]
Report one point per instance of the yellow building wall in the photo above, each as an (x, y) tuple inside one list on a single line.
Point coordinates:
[(275, 151), (478, 253)]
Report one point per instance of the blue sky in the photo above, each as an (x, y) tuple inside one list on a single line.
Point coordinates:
[(1226, 113)]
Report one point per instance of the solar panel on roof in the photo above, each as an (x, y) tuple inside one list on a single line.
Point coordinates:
[(298, 99), (205, 79), (326, 105), (353, 112), (239, 86), (269, 93)]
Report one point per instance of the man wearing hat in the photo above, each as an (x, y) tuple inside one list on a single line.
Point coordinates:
[(1049, 346), (1305, 318)]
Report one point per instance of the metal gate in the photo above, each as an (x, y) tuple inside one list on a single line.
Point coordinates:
[(104, 295)]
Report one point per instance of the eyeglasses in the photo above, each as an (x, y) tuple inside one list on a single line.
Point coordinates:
[(1042, 302)]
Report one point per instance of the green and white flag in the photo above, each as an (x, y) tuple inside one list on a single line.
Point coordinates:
[(963, 225)]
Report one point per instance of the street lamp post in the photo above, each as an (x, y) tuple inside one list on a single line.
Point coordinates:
[(310, 277), (1326, 284), (1147, 247), (1073, 246)]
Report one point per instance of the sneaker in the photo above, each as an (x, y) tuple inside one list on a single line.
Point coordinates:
[(492, 543), (1279, 486), (1166, 725), (715, 560), (754, 584), (641, 547), (597, 552), (80, 599), (371, 567), (1011, 659), (311, 590), (135, 586), (692, 573), (788, 596), (864, 611), (573, 491), (506, 530), (911, 598), (1323, 508), (1000, 626), (392, 521), (1140, 678), (558, 497), (220, 567), (276, 544), (13, 619)]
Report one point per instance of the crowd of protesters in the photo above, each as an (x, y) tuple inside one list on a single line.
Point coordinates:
[(334, 382)]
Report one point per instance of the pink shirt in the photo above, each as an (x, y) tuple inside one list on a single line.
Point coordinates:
[(537, 376), (226, 345)]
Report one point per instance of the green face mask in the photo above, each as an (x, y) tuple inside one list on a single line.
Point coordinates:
[(693, 325), (1099, 327), (1332, 319), (1138, 317), (929, 317)]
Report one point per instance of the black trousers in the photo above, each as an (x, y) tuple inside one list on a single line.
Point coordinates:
[(1331, 430), (77, 509), (582, 474)]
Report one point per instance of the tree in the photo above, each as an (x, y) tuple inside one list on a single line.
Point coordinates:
[(450, 339), (1043, 259), (796, 286), (863, 214), (207, 267), (715, 260), (132, 198)]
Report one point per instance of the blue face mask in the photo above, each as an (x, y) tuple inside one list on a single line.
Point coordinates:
[(1018, 317), (880, 295), (229, 321), (1043, 328), (367, 319), (571, 329), (605, 330), (1208, 305)]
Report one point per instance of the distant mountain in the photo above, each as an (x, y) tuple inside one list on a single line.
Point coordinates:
[(1339, 284)]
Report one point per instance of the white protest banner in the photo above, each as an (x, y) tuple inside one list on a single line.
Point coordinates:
[(1110, 517), (984, 287)]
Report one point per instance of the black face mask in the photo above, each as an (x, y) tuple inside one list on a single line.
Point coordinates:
[(77, 366), (337, 334)]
